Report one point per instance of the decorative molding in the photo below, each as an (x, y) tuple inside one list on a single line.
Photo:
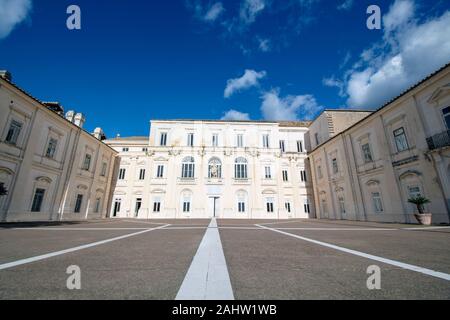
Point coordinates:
[(405, 161)]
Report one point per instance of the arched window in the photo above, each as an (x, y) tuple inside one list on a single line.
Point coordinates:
[(241, 197), (240, 168), (215, 168), (188, 168)]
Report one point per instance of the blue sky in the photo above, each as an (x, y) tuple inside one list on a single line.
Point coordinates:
[(136, 60)]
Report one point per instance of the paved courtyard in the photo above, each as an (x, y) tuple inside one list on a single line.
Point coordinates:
[(223, 259)]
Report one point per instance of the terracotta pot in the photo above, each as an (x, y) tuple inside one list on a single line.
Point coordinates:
[(424, 218)]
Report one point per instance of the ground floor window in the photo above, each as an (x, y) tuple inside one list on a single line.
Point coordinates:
[(341, 205), (137, 207), (38, 199), (186, 206), (377, 204), (78, 203), (269, 205), (287, 205), (306, 206), (157, 205), (117, 204), (97, 205), (241, 206)]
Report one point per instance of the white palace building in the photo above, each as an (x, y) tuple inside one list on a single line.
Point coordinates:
[(346, 164), (224, 169)]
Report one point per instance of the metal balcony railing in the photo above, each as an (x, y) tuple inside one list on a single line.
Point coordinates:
[(439, 140)]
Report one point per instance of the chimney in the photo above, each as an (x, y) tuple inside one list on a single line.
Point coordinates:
[(70, 115), (5, 74), (99, 134), (79, 120), (55, 107)]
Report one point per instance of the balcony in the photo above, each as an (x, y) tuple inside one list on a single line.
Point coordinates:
[(439, 140)]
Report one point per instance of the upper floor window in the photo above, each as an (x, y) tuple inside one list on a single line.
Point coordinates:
[(13, 132), (285, 176), (240, 140), (188, 168), (299, 146), (267, 172), (400, 139), (104, 167), (190, 140), (163, 139), (122, 172), (446, 114), (214, 168), (125, 149), (87, 162), (282, 146), (51, 148), (142, 174), (266, 143), (240, 168), (335, 166), (316, 136), (215, 140), (160, 171), (367, 153), (319, 172), (303, 175)]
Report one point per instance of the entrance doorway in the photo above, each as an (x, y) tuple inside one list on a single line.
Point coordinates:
[(214, 206)]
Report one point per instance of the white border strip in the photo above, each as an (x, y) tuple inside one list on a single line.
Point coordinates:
[(402, 265), (86, 246)]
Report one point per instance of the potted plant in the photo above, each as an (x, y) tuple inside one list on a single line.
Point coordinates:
[(423, 217)]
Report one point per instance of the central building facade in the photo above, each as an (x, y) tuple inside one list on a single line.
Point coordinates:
[(224, 169)]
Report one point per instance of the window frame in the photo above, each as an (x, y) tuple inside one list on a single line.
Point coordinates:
[(397, 140), (37, 206), (13, 133)]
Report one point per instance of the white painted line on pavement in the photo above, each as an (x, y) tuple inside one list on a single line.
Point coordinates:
[(340, 229), (402, 265), (85, 246), (207, 277), (425, 228)]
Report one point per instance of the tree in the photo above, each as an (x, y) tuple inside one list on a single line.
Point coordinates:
[(419, 201)]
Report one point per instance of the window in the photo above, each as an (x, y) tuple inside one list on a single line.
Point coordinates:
[(187, 204), (122, 173), (367, 154), (335, 166), (160, 171), (400, 139), (142, 174), (287, 205), (241, 206), (215, 140), (104, 167), (157, 205), (306, 206), (214, 168), (241, 201), (240, 140), (316, 136), (38, 199), (266, 143), (282, 146), (303, 176), (51, 148), (116, 207), (13, 132), (319, 172), (188, 168), (269, 205), (125, 149), (163, 139), (78, 203), (97, 205), (341, 205), (190, 140), (446, 114), (144, 149), (267, 172), (377, 203), (87, 162), (299, 146), (240, 168), (414, 191), (285, 176), (137, 206)]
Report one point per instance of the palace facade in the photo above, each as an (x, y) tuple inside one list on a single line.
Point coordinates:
[(226, 169)]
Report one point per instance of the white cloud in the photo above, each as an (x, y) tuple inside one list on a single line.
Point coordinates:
[(346, 5), (250, 9), (264, 45), (408, 51), (249, 79), (12, 12), (291, 107), (214, 12), (235, 115)]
